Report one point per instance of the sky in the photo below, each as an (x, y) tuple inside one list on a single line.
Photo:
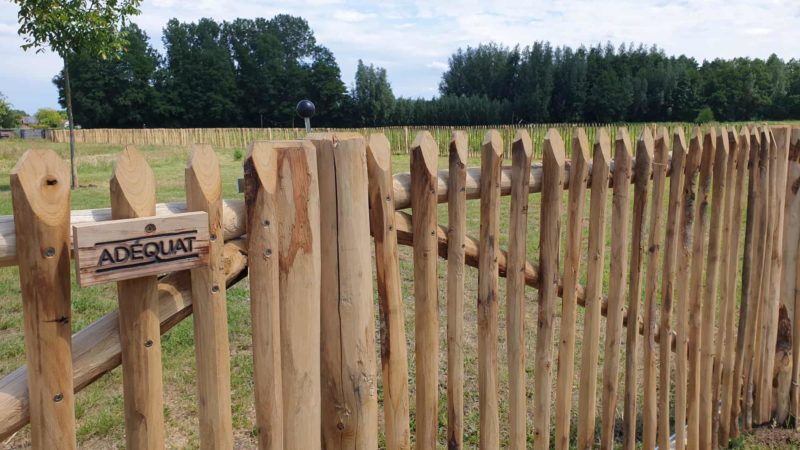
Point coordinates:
[(414, 39)]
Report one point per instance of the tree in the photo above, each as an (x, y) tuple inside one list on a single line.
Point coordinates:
[(372, 94), (71, 26), (49, 118), (705, 115), (115, 92), (9, 118)]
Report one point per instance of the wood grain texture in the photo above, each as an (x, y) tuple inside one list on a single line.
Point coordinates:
[(261, 186), (488, 301), (394, 353), (642, 170), (748, 138), (579, 174), (424, 161), (682, 283), (96, 348), (616, 283), (40, 197), (298, 220), (793, 217), (553, 162), (786, 260), (706, 406), (348, 358), (521, 154), (674, 208), (212, 349), (752, 271), (779, 153), (587, 401), (740, 148), (728, 241), (456, 235), (654, 244), (133, 195)]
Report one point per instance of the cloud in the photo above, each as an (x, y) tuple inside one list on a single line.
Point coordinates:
[(352, 16), (413, 38)]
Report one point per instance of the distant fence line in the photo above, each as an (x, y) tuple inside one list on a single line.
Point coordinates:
[(400, 137)]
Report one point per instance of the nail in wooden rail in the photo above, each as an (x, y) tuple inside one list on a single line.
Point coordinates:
[(617, 283), (491, 158), (212, 350), (348, 365), (40, 196), (552, 188), (679, 154), (578, 177), (641, 173), (706, 409), (587, 410), (456, 234), (725, 303), (740, 151), (394, 353), (521, 153), (133, 195), (424, 162), (649, 402), (682, 286), (261, 185)]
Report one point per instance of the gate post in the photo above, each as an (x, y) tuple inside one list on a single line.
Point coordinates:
[(349, 379), (40, 196)]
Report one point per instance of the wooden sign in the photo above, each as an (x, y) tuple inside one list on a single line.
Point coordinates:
[(132, 248)]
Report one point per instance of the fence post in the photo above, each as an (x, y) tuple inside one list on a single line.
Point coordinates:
[(578, 176), (676, 188), (394, 353), (491, 159), (133, 195), (424, 163), (212, 350), (587, 400), (642, 170), (261, 186), (348, 366), (552, 188), (794, 300), (456, 236), (41, 202)]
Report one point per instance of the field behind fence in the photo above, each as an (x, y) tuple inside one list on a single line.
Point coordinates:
[(670, 257), (400, 138)]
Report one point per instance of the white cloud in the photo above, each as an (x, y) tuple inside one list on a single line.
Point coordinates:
[(413, 38)]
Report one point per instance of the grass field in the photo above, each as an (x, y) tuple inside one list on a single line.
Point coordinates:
[(99, 407)]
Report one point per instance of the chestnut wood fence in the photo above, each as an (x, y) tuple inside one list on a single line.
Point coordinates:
[(699, 235)]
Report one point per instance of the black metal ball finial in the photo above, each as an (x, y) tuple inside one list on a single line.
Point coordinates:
[(306, 109)]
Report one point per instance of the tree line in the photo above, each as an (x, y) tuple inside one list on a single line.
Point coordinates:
[(252, 72)]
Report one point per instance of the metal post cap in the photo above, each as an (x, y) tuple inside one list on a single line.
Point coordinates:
[(306, 109)]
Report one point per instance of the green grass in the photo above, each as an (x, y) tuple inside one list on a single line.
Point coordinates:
[(99, 406)]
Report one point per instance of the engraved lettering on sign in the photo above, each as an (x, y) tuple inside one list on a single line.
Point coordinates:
[(159, 248), (131, 248)]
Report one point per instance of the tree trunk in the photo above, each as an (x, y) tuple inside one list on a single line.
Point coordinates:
[(68, 95)]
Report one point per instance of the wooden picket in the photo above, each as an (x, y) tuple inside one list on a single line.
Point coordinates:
[(310, 206)]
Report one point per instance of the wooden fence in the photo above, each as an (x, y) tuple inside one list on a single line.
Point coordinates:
[(709, 349)]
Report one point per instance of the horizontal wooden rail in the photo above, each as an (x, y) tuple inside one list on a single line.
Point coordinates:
[(96, 349), (234, 211)]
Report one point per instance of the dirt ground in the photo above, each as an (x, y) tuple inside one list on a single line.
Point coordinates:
[(771, 438)]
